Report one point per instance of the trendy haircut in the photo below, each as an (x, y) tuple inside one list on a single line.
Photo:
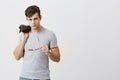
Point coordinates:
[(31, 10)]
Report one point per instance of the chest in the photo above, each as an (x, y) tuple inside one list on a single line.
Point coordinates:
[(36, 40)]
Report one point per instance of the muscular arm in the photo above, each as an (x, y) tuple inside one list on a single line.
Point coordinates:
[(54, 54), (19, 50)]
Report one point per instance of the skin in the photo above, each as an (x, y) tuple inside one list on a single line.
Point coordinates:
[(34, 22)]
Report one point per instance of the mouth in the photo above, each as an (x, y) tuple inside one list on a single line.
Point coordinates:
[(34, 25)]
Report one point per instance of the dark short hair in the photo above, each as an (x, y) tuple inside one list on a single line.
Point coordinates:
[(32, 10)]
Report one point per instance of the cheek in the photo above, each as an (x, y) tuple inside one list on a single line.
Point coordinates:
[(29, 22), (37, 21)]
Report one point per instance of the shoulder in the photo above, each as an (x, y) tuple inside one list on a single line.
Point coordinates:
[(49, 32)]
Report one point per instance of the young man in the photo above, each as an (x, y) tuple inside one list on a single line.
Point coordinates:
[(36, 47)]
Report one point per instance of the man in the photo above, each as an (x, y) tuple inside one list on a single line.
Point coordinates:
[(36, 47)]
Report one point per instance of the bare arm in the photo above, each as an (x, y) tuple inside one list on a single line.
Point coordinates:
[(53, 53), (19, 50)]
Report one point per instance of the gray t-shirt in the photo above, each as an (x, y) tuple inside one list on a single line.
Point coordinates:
[(35, 62)]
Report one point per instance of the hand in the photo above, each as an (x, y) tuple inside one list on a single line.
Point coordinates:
[(45, 49), (25, 36)]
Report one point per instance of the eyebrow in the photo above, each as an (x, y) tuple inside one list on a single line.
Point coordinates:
[(33, 18)]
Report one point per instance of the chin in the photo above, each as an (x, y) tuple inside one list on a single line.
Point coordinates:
[(34, 26)]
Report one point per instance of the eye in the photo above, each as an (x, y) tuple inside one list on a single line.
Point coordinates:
[(30, 19), (35, 18)]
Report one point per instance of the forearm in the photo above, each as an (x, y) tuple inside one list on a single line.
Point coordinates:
[(53, 56), (19, 51), (53, 53)]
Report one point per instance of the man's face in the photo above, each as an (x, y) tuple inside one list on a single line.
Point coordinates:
[(34, 21)]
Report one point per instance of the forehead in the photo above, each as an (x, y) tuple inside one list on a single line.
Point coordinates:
[(34, 16)]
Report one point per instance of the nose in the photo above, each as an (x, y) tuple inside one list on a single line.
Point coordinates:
[(33, 21)]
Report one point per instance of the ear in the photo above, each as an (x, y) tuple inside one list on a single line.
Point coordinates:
[(40, 17)]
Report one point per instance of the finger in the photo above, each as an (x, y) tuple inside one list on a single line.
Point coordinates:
[(41, 47)]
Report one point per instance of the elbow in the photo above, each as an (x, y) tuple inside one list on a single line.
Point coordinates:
[(17, 58), (17, 55), (57, 60)]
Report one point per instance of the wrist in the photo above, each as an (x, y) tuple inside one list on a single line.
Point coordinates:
[(48, 53)]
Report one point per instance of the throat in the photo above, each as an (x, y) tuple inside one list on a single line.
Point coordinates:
[(37, 30)]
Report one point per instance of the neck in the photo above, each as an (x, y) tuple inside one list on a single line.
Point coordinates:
[(37, 29)]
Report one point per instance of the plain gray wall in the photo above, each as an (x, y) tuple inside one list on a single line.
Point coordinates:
[(88, 33)]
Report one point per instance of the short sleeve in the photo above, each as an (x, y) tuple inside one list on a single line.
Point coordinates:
[(53, 40)]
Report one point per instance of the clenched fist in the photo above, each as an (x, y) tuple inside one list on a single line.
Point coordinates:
[(45, 49)]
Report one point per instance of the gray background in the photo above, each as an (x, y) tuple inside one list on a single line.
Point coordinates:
[(88, 33)]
